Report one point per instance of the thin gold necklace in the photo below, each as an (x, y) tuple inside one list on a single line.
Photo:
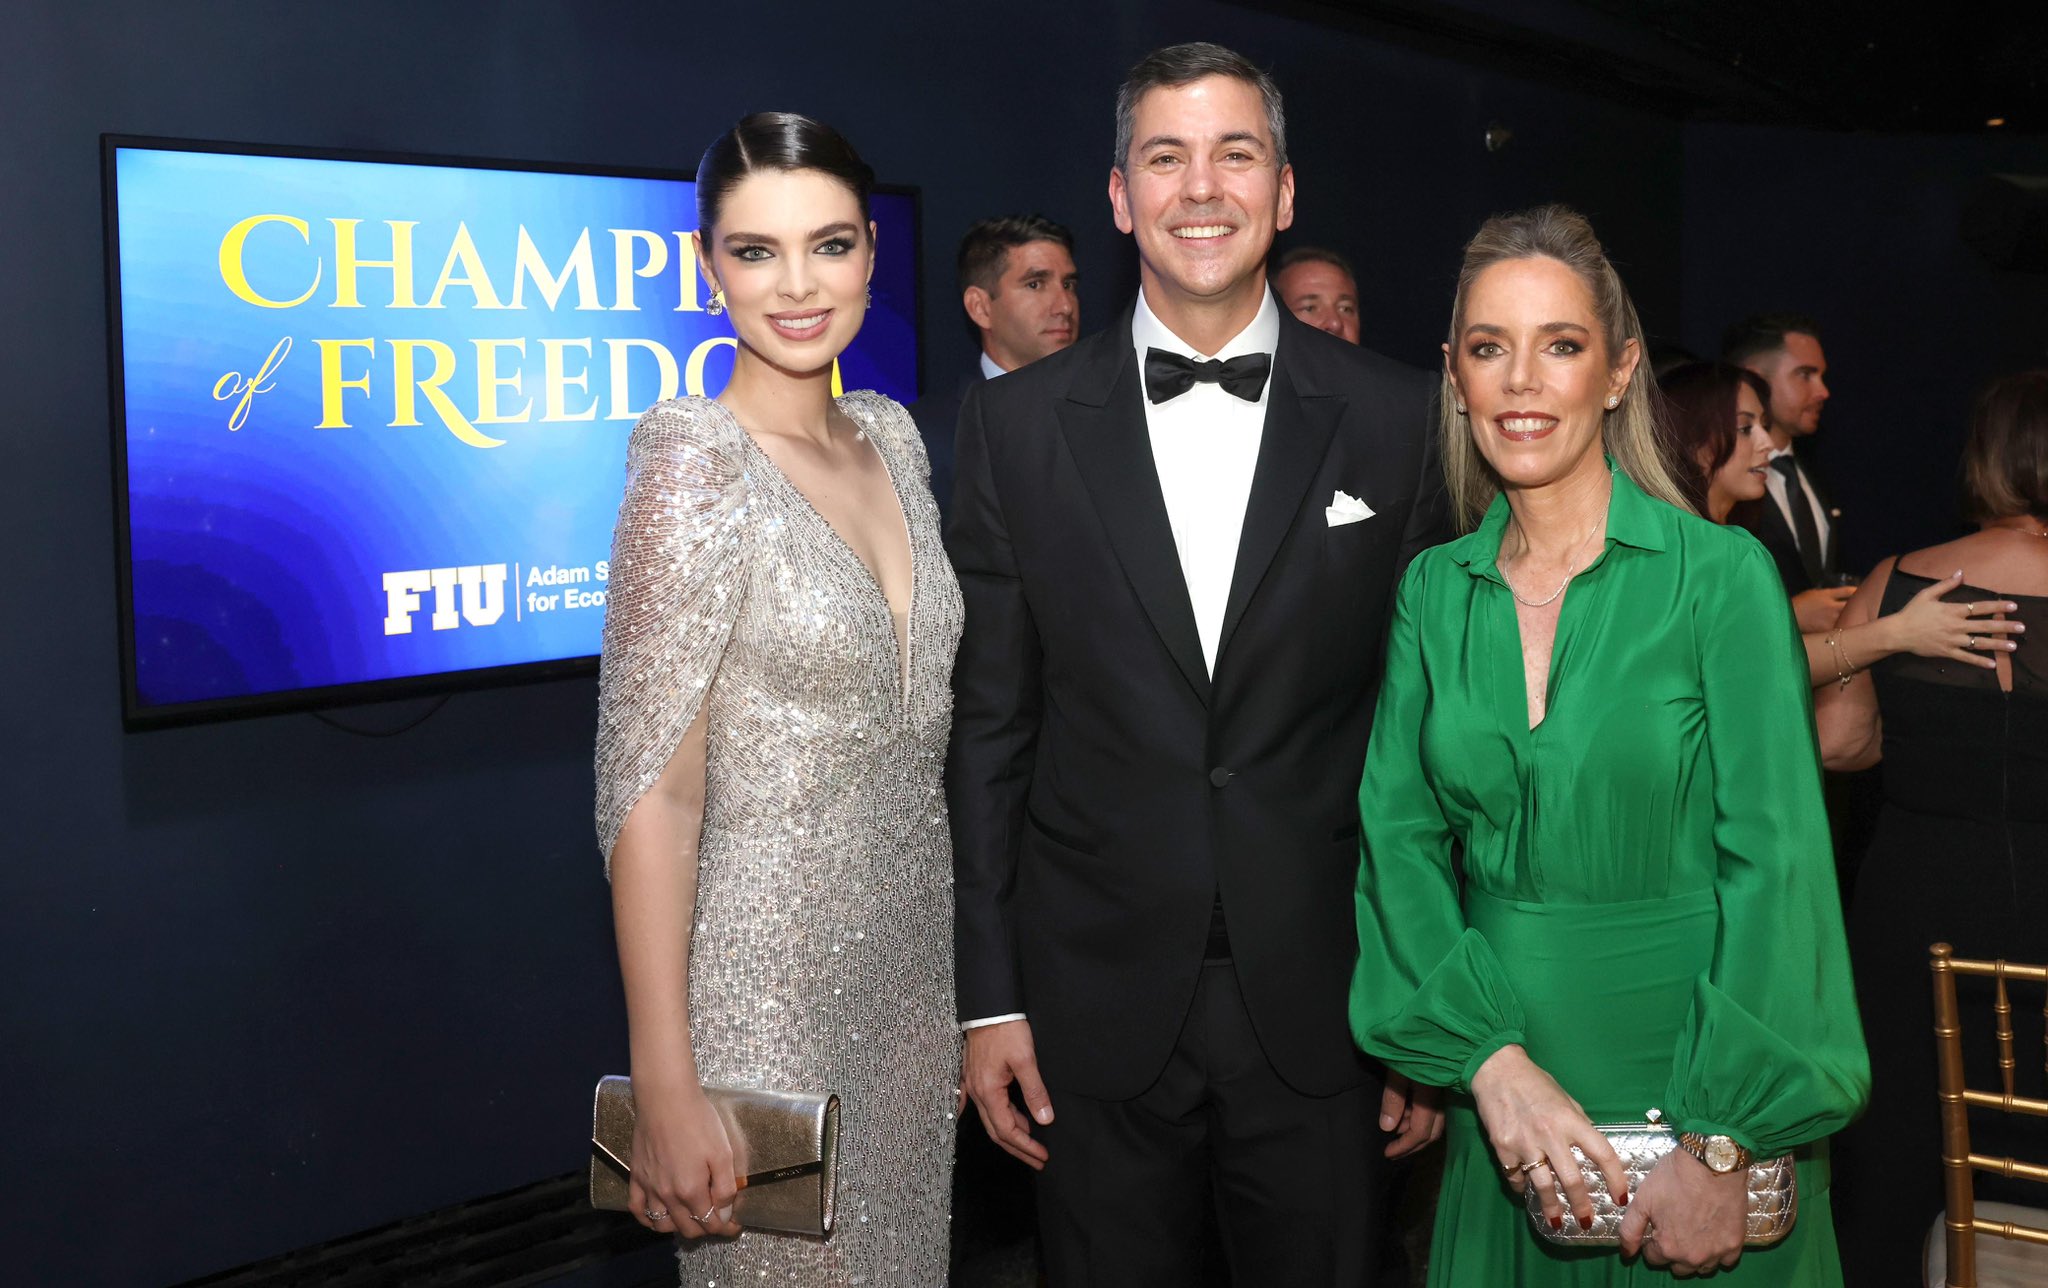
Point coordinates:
[(1571, 569), (2032, 532)]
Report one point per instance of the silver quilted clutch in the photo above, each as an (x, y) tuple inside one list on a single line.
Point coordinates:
[(1773, 1195)]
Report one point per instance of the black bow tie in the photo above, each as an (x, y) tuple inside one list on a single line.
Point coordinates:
[(1169, 375)]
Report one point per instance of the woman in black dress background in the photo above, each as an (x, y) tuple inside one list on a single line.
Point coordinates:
[(1961, 848)]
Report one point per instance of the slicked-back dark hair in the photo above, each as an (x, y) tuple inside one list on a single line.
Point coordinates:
[(1763, 333), (1699, 418), (777, 141), (2005, 461), (985, 251), (1178, 65), (1314, 255)]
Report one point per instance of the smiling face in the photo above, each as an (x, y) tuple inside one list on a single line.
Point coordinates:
[(1034, 309), (1203, 192), (1322, 295), (1741, 477), (1530, 362), (793, 256)]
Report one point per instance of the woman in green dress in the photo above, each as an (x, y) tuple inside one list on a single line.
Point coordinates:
[(1602, 698)]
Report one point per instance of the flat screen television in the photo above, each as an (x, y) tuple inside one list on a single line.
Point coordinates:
[(370, 412)]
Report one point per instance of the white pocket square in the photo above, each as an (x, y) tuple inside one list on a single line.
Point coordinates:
[(1346, 508)]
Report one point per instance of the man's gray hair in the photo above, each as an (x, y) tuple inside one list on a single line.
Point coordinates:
[(1178, 65)]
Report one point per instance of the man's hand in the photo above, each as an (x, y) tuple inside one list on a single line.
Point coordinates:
[(1816, 610), (1413, 1113), (996, 1056)]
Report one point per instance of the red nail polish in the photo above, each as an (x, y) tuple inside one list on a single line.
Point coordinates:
[(1557, 1223), (1621, 1201)]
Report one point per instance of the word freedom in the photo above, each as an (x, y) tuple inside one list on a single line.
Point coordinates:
[(417, 370)]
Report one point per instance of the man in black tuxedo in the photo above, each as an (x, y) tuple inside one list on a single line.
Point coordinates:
[(1178, 542), (1022, 296), (1794, 518)]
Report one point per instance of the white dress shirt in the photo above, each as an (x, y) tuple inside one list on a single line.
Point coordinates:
[(990, 368), (1774, 483), (1205, 445)]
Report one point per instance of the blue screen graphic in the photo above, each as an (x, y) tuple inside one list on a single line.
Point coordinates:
[(376, 413)]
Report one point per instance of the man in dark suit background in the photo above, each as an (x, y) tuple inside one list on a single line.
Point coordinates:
[(1800, 525), (1794, 518), (1178, 543), (1022, 296)]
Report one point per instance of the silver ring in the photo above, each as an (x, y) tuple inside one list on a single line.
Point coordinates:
[(702, 1220), (657, 1215)]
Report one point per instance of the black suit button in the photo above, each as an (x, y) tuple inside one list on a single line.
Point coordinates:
[(1219, 776)]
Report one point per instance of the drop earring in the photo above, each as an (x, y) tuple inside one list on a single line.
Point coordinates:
[(716, 304), (871, 297)]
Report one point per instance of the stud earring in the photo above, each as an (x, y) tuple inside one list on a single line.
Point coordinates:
[(1461, 409), (1613, 401), (716, 304)]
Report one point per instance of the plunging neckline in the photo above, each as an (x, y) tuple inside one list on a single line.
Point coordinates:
[(1528, 731), (902, 636)]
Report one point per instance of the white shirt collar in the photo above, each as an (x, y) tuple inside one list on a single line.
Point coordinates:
[(990, 368), (1262, 335)]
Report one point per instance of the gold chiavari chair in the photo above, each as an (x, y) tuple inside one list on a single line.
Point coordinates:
[(1984, 1245)]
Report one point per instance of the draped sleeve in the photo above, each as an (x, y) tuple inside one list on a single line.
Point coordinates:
[(675, 586), (1428, 995), (1772, 1050)]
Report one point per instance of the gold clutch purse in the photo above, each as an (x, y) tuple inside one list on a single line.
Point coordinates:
[(1773, 1193), (785, 1149)]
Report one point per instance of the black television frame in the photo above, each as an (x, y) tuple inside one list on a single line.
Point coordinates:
[(136, 717)]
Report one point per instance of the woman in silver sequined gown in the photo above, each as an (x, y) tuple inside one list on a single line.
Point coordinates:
[(765, 713)]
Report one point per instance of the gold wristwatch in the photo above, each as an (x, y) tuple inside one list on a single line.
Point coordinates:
[(1720, 1153)]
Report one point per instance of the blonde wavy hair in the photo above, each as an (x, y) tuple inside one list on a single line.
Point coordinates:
[(1632, 432)]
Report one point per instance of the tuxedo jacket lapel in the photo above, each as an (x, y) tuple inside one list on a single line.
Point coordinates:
[(1831, 546), (1103, 419), (1299, 424)]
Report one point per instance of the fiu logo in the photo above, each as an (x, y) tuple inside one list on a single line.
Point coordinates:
[(479, 587)]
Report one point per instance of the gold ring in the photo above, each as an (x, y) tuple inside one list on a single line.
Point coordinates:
[(1973, 610), (1530, 1167), (1973, 641)]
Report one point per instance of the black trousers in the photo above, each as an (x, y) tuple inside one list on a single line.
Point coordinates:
[(1294, 1180)]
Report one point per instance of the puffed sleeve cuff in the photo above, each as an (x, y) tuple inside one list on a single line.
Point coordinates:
[(1463, 1012), (1734, 1075), (1484, 1052)]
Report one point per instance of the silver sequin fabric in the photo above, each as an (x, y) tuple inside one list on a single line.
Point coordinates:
[(821, 957)]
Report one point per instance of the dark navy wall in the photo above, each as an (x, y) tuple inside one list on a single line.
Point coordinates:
[(1863, 232), (267, 983)]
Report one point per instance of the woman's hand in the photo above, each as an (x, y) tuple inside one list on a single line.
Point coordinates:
[(1928, 627), (1533, 1125), (1688, 1218), (682, 1165)]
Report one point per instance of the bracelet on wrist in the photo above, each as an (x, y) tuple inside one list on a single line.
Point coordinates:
[(1844, 671)]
